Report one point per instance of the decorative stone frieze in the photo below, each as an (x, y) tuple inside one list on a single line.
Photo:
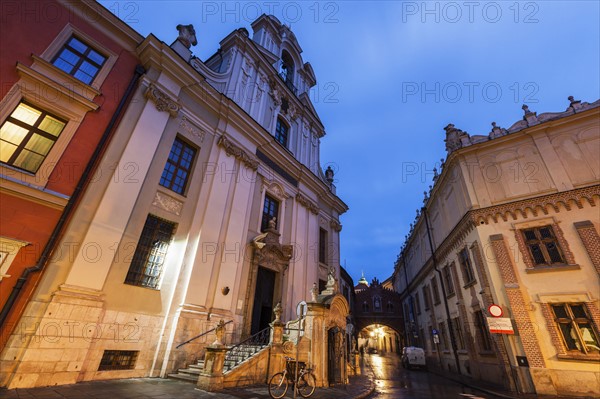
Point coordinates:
[(167, 203), (312, 207), (163, 102), (187, 126), (235, 151)]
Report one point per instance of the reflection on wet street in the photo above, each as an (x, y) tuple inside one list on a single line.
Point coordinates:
[(393, 381)]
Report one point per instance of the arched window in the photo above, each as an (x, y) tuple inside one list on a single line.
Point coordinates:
[(286, 70), (281, 132), (377, 304)]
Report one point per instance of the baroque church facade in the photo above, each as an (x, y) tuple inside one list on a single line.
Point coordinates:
[(209, 204)]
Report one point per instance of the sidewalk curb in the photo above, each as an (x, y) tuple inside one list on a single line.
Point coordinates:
[(371, 389)]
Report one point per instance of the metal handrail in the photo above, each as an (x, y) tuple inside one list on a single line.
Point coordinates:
[(261, 337), (200, 335)]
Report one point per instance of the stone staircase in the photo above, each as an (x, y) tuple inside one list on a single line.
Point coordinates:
[(191, 373), (239, 354), (235, 356)]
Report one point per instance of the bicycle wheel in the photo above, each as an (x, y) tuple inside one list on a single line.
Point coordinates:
[(307, 385), (278, 386)]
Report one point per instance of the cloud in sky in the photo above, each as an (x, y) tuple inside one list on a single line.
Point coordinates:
[(401, 72)]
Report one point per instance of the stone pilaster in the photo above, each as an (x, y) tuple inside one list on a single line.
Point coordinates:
[(517, 302), (591, 241)]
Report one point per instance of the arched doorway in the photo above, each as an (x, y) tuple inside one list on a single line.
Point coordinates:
[(335, 355)]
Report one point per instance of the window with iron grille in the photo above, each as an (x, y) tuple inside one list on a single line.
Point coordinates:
[(483, 334), (576, 327), (281, 132), (458, 333), (27, 136), (444, 336), (177, 170), (466, 266), (270, 211), (543, 246), (447, 276), (79, 60), (148, 259), (118, 360), (322, 246), (436, 293)]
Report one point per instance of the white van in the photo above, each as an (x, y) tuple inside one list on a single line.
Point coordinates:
[(413, 357)]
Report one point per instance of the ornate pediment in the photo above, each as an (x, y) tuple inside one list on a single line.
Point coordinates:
[(269, 252)]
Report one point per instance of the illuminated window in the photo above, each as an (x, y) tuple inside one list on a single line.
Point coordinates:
[(27, 136), (79, 60), (177, 170), (149, 257), (576, 328)]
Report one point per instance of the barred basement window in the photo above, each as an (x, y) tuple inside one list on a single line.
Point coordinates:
[(543, 246), (118, 360), (27, 136), (79, 60), (149, 256), (576, 328), (176, 173)]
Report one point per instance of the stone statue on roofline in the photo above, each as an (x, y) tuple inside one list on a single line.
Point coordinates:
[(187, 35)]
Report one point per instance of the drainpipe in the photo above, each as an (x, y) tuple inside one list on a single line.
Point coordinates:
[(66, 214), (435, 266)]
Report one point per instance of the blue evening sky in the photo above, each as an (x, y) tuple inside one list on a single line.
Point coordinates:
[(391, 75)]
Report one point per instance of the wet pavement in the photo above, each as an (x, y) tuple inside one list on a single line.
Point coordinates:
[(394, 382), (158, 388)]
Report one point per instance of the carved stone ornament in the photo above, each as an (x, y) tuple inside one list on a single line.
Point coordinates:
[(187, 35), (455, 138), (167, 203), (191, 129), (235, 151), (277, 311), (335, 225), (311, 206), (163, 102)]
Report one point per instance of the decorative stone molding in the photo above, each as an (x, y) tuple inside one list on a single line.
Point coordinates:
[(186, 125), (235, 151), (457, 139), (167, 203), (517, 302), (275, 189), (312, 207), (534, 205), (335, 225), (163, 102)]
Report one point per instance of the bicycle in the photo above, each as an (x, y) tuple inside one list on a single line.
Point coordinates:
[(305, 384)]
